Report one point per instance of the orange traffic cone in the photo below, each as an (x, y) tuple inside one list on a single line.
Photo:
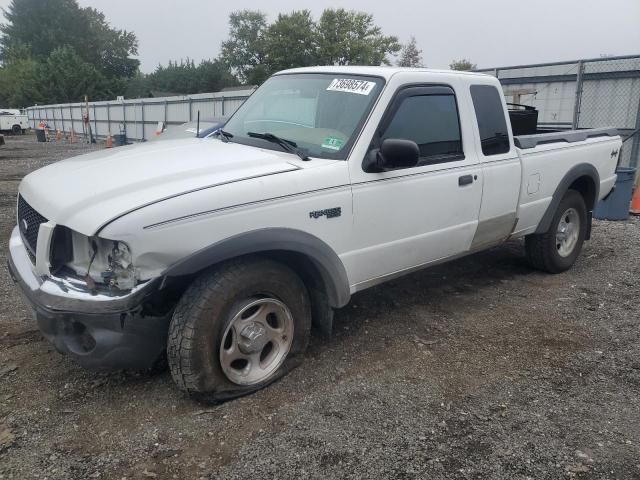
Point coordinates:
[(72, 136), (108, 143), (634, 208), (58, 135)]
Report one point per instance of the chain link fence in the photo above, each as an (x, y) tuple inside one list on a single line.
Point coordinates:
[(589, 93)]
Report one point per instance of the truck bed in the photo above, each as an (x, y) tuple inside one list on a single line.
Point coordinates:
[(547, 158)]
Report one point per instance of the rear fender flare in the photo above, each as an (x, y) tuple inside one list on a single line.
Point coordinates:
[(576, 172)]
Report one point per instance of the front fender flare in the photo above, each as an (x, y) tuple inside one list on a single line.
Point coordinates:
[(326, 261)]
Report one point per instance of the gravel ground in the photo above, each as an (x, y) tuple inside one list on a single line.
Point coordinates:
[(481, 368)]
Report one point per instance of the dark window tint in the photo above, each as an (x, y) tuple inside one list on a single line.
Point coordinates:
[(491, 122), (432, 122)]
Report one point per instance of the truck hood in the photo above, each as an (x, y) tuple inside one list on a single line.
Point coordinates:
[(85, 193)]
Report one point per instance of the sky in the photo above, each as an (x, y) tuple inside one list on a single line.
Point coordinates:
[(491, 33)]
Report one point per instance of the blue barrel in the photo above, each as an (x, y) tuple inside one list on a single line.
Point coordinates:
[(616, 206)]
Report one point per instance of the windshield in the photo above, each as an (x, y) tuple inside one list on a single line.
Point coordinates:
[(320, 113)]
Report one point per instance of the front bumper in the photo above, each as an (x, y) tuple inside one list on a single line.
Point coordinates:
[(101, 330)]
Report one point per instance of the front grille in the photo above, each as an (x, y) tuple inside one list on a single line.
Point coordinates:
[(29, 224)]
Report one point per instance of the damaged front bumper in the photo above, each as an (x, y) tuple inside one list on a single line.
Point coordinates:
[(101, 330)]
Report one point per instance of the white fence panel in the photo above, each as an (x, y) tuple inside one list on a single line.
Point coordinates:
[(139, 118)]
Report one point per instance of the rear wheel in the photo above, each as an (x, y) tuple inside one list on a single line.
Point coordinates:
[(238, 329), (16, 129), (556, 250)]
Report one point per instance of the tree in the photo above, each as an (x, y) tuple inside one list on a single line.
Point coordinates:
[(111, 49), (411, 55), (65, 77), (245, 49), (20, 84), (176, 77), (56, 51), (351, 38), (213, 76), (43, 26), (290, 41), (463, 64), (183, 77), (256, 49)]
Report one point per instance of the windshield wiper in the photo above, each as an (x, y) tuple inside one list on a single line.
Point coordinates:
[(224, 136), (288, 145)]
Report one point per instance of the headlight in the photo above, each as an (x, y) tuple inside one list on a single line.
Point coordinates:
[(120, 273), (108, 262)]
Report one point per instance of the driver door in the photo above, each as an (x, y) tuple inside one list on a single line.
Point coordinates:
[(409, 217)]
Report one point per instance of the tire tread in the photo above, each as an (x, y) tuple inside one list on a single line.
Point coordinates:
[(540, 247), (195, 303)]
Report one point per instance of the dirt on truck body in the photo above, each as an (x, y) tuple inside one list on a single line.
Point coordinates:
[(480, 368)]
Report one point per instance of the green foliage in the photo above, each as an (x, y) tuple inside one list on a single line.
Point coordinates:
[(213, 76), (183, 78), (20, 84), (463, 64), (290, 41), (176, 77), (43, 26), (67, 78), (256, 49), (245, 49), (351, 38), (411, 55), (55, 51)]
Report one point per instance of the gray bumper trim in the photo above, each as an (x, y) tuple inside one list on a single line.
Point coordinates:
[(101, 331)]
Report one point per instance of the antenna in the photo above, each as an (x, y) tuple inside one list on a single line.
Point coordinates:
[(198, 126)]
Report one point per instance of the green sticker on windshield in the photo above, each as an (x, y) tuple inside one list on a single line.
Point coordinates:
[(332, 143)]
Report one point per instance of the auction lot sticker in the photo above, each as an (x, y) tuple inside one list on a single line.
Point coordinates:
[(351, 85)]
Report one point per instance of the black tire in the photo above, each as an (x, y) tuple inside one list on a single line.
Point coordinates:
[(16, 129), (542, 249), (207, 308)]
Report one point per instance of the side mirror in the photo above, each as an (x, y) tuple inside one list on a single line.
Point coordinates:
[(394, 153)]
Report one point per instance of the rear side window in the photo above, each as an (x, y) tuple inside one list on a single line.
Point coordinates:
[(494, 136), (432, 122)]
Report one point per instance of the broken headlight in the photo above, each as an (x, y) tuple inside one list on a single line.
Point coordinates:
[(120, 272), (103, 262)]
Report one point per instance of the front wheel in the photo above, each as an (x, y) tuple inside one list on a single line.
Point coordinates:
[(238, 329), (556, 250)]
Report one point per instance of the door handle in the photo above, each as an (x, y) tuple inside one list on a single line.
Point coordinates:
[(465, 180)]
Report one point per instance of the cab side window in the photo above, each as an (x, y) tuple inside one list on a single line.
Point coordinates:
[(494, 136), (432, 121)]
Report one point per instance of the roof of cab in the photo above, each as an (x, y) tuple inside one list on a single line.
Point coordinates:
[(384, 72)]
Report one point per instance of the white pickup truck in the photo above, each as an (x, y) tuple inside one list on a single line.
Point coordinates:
[(222, 252)]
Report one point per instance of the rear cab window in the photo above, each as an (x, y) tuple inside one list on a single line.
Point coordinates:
[(492, 124)]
